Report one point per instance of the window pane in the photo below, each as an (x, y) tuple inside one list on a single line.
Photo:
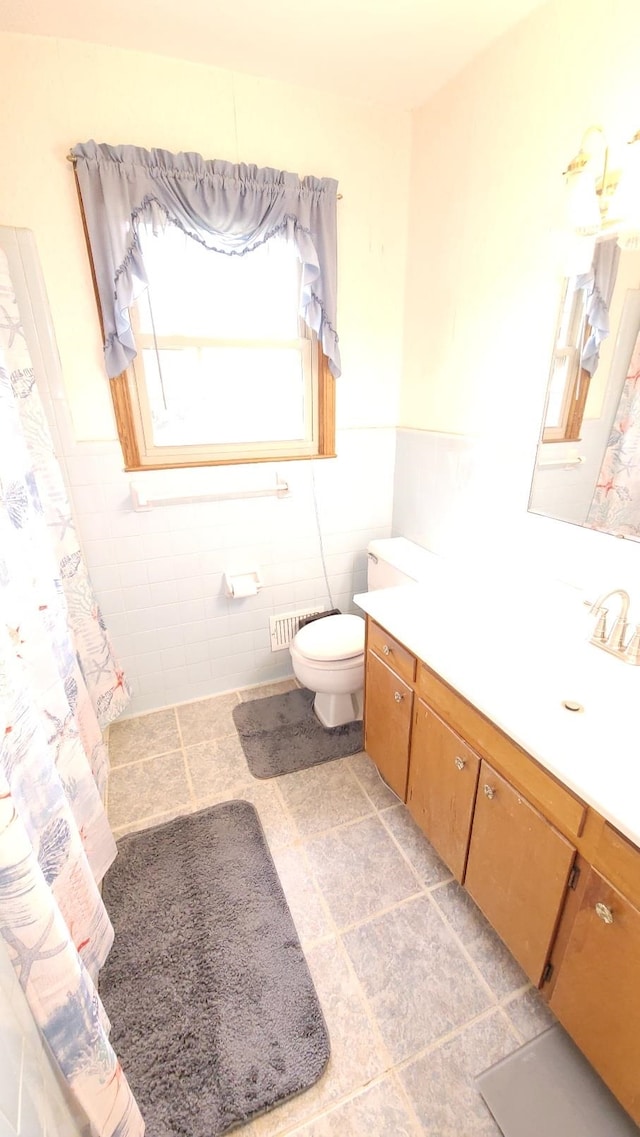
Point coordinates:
[(195, 292), (225, 395), (561, 386)]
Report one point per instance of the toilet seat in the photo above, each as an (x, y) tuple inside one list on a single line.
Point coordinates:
[(326, 666), (331, 639)]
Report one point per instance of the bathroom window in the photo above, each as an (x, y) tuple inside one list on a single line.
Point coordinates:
[(225, 370)]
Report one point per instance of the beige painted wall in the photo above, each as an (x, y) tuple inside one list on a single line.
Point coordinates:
[(486, 203), (58, 92)]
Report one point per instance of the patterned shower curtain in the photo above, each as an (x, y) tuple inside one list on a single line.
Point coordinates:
[(616, 502), (59, 686)]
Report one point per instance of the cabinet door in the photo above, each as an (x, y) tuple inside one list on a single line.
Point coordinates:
[(596, 994), (517, 870), (387, 723), (443, 775)]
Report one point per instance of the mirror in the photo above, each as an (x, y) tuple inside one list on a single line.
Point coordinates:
[(588, 460)]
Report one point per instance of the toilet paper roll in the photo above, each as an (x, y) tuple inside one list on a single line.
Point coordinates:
[(245, 584)]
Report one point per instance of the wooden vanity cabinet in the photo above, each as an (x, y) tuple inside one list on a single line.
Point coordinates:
[(387, 722), (443, 775), (517, 870), (558, 882)]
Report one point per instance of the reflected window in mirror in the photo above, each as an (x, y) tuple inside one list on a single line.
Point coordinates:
[(583, 326), (568, 381), (594, 480)]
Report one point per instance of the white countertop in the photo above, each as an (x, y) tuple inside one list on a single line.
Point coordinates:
[(516, 659)]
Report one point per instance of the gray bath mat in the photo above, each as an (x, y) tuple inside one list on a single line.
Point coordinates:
[(281, 734), (214, 1014), (548, 1089)]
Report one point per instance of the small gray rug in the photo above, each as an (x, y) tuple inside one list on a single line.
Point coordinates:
[(281, 734), (548, 1089), (214, 1014)]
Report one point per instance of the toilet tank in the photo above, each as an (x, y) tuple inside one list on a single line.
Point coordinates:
[(395, 560)]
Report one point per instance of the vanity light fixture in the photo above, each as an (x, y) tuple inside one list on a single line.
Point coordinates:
[(600, 200), (583, 174)]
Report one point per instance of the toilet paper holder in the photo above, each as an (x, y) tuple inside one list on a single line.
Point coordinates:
[(239, 585)]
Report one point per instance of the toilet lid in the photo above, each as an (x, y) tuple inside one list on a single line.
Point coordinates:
[(332, 637)]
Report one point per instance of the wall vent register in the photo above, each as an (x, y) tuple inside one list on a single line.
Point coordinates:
[(284, 627)]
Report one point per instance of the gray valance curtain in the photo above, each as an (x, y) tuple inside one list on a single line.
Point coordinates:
[(229, 209)]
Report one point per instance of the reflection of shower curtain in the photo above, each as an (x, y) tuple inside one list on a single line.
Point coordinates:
[(59, 684), (616, 502)]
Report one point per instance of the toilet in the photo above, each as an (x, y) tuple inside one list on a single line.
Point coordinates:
[(328, 654)]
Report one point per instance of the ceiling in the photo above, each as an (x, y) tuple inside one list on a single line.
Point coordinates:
[(391, 51)]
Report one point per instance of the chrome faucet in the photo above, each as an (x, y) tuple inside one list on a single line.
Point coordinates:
[(614, 641)]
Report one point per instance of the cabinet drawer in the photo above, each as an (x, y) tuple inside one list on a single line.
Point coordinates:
[(619, 860), (393, 653), (556, 802)]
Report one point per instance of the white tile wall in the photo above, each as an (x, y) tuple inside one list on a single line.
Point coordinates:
[(434, 475), (31, 1101), (158, 575), (467, 498)]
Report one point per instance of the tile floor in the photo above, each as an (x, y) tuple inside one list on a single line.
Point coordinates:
[(418, 993)]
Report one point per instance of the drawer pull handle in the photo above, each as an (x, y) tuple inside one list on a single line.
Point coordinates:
[(460, 763), (386, 650), (398, 696), (489, 791), (604, 912)]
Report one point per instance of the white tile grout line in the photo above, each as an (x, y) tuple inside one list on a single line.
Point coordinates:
[(160, 753), (149, 822), (174, 750), (504, 1007), (381, 1046), (147, 758), (190, 702), (423, 884), (495, 1004), (301, 838), (495, 1000), (404, 1094), (206, 698), (391, 1068), (287, 813), (185, 763), (373, 1024), (344, 1099), (445, 1039)]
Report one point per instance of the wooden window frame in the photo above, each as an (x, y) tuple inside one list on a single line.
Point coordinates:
[(575, 394), (134, 461), (122, 389), (573, 407)]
